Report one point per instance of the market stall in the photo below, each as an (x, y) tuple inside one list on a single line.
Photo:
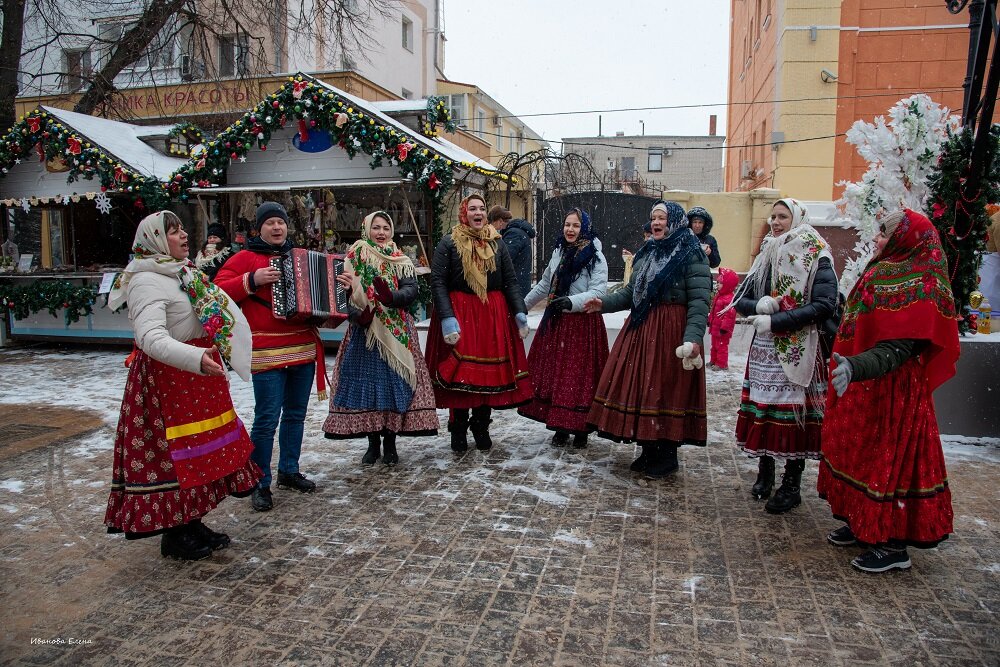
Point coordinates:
[(72, 191)]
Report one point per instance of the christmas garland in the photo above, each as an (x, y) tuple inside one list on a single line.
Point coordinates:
[(75, 301), (961, 217), (438, 112), (316, 108), (42, 135)]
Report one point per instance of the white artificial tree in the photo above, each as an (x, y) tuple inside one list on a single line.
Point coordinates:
[(900, 154)]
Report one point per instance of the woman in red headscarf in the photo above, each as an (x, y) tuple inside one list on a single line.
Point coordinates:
[(883, 469), (474, 355)]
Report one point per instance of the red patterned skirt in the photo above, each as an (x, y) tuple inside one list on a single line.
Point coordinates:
[(644, 394), (766, 423), (487, 366), (883, 469), (179, 449), (566, 361)]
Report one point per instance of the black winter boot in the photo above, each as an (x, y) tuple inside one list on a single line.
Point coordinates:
[(371, 456), (214, 540), (664, 461), (787, 496), (389, 456), (580, 441), (639, 465), (765, 478), (459, 427), (180, 542), (560, 439), (480, 426)]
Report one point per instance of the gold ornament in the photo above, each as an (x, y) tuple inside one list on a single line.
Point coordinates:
[(975, 299)]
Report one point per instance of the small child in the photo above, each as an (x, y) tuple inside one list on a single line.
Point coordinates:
[(215, 252), (721, 326)]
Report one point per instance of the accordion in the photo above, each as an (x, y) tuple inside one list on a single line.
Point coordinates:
[(308, 290)]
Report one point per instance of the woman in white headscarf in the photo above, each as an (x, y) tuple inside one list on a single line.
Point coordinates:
[(790, 295), (180, 448), (380, 387)]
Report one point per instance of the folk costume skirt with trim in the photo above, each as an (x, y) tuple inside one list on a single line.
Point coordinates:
[(766, 422), (487, 366), (179, 449), (367, 396), (644, 394), (883, 470), (566, 360)]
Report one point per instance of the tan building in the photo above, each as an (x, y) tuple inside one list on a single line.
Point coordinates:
[(478, 114), (803, 71)]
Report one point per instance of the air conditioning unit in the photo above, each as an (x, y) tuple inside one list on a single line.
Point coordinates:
[(757, 173), (746, 169), (668, 152), (611, 164), (497, 121), (191, 69)]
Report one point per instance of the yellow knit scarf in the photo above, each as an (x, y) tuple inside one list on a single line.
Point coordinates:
[(477, 249)]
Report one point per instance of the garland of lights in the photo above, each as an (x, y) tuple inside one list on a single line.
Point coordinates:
[(438, 112), (42, 135), (189, 131), (316, 108), (963, 236), (75, 301)]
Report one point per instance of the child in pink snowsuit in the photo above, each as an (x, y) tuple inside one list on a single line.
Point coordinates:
[(721, 326)]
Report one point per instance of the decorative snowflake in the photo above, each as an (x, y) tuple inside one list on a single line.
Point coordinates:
[(26, 205), (103, 203)]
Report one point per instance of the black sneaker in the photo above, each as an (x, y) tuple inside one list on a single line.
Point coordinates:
[(261, 500), (214, 540), (295, 480), (881, 559), (181, 543), (842, 537)]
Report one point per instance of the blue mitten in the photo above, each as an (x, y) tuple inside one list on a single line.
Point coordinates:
[(450, 330)]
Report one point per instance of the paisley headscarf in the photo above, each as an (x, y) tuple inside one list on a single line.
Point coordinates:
[(220, 317), (658, 261), (476, 247), (365, 261)]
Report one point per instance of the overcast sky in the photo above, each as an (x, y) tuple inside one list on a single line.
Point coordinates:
[(542, 56)]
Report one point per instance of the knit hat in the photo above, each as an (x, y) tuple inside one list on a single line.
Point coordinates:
[(216, 229), (890, 222), (270, 209), (497, 212)]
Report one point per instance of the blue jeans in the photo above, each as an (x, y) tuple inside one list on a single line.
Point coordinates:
[(282, 393)]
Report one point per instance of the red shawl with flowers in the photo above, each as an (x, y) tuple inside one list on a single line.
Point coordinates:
[(905, 293)]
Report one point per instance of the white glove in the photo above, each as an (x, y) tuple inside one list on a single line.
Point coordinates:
[(688, 362), (762, 323), (767, 305), (841, 376)]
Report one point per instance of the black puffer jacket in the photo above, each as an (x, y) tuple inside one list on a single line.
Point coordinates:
[(714, 259), (517, 235), (402, 297), (822, 303), (447, 276)]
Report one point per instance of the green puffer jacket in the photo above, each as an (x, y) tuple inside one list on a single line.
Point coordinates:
[(693, 288)]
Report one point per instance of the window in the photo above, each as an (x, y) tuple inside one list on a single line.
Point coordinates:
[(456, 105), (498, 130), (407, 34), (406, 94), (76, 68), (480, 122), (512, 145), (110, 34), (655, 160), (233, 51)]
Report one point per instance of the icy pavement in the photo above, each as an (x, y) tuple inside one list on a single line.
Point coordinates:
[(524, 555)]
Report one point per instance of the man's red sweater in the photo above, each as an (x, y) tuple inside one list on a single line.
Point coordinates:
[(277, 343)]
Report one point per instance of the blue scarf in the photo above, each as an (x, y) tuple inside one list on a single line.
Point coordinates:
[(667, 257)]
